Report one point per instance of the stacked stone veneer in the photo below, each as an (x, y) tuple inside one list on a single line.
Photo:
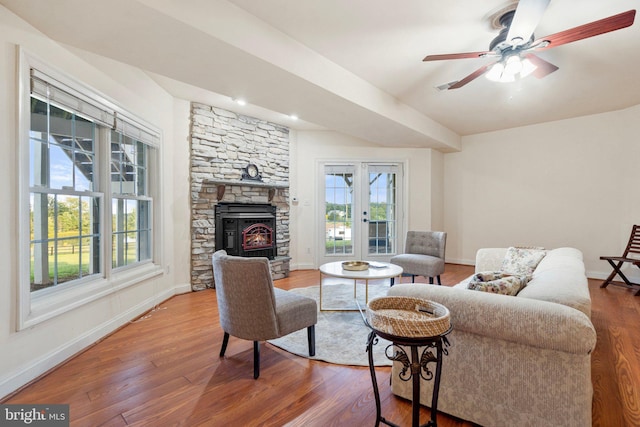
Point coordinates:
[(222, 143)]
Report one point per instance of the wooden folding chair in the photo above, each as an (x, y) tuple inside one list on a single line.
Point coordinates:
[(633, 247)]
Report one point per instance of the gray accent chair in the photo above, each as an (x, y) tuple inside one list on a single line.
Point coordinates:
[(424, 255), (251, 308)]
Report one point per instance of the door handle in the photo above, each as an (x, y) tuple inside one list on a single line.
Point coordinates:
[(364, 220)]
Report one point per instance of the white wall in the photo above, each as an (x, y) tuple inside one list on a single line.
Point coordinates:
[(180, 203), (32, 351), (311, 147), (437, 191), (564, 183)]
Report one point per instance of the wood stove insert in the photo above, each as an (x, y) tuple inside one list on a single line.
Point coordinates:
[(246, 229)]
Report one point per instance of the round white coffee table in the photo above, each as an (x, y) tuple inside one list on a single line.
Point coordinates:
[(383, 270)]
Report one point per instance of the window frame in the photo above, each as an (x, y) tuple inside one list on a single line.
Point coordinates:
[(44, 304)]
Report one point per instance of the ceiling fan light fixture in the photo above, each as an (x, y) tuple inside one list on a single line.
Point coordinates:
[(509, 70), (497, 74), (513, 65)]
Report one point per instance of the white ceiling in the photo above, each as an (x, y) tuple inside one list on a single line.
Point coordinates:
[(354, 66)]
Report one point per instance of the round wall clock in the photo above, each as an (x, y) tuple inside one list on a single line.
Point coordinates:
[(251, 172)]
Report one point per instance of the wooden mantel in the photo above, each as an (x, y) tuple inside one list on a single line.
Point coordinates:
[(222, 184)]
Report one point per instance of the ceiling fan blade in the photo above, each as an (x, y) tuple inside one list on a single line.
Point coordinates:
[(480, 71), (595, 28), (543, 68), (527, 17), (458, 56)]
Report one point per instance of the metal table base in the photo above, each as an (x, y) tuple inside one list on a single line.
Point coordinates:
[(414, 369)]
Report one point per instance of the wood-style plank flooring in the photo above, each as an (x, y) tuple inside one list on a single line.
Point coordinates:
[(164, 370)]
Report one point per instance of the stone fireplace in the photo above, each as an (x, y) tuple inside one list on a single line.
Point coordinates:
[(244, 217)]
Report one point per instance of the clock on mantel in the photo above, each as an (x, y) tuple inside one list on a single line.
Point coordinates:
[(251, 173)]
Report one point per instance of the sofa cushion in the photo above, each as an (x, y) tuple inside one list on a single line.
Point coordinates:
[(560, 278), (497, 282), (562, 287), (522, 261)]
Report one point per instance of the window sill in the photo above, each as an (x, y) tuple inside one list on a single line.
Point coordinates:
[(45, 307)]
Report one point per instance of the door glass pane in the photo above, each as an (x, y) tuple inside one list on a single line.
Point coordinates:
[(382, 210), (338, 212)]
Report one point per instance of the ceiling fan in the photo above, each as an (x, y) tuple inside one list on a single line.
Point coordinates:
[(515, 44)]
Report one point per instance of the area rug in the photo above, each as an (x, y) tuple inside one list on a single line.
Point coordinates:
[(341, 336)]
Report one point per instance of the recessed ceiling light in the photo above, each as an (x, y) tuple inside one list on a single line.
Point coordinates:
[(293, 117), (239, 101)]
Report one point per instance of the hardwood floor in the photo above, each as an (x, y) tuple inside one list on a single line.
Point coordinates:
[(164, 370)]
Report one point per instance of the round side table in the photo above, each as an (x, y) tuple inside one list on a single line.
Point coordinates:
[(334, 269)]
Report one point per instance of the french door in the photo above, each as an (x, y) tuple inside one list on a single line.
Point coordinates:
[(361, 211)]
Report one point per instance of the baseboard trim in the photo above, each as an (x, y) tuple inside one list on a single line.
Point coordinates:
[(303, 266), (602, 275), (183, 288), (461, 261), (15, 381)]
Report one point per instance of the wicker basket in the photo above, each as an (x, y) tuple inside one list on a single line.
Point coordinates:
[(408, 317)]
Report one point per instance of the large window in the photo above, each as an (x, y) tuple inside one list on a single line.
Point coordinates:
[(90, 194)]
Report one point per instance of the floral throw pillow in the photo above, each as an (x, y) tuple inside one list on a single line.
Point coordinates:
[(497, 282), (522, 261)]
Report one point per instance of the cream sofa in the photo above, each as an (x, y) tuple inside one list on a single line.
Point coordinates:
[(520, 360)]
